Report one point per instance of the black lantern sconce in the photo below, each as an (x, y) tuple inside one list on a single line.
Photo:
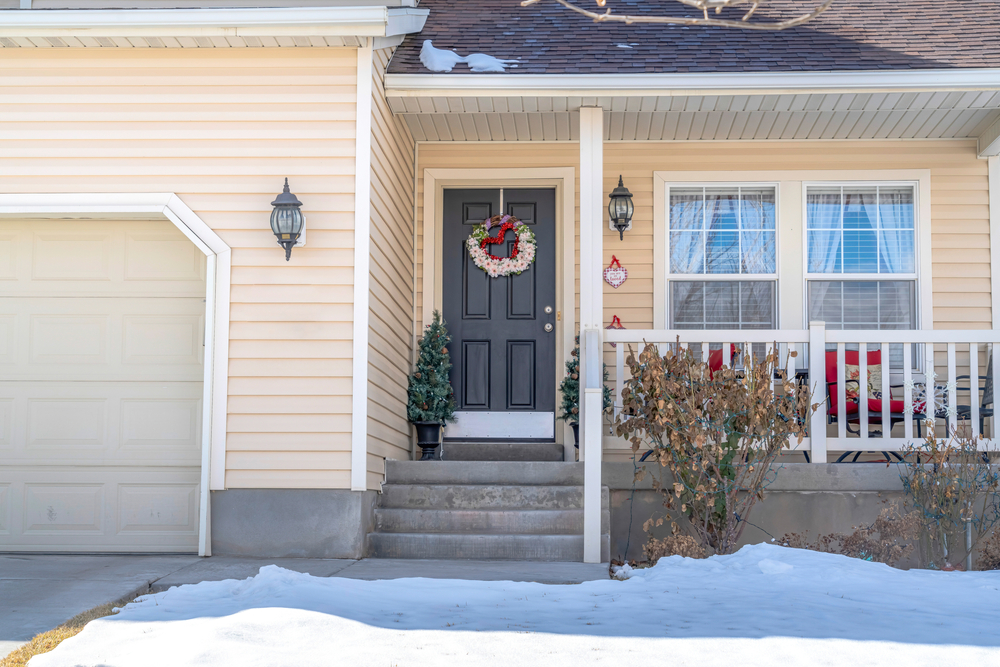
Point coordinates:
[(287, 220), (620, 209)]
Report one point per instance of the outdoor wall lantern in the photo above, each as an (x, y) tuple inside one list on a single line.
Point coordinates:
[(620, 209), (287, 220)]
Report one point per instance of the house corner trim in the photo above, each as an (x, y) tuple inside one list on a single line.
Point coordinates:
[(362, 270)]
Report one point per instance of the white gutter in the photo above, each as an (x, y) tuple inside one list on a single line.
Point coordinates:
[(214, 22), (698, 83)]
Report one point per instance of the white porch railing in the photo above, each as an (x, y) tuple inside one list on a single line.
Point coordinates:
[(946, 369)]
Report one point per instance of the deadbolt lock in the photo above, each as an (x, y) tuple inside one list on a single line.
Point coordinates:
[(548, 310)]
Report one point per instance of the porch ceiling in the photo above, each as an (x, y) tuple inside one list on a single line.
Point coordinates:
[(803, 116)]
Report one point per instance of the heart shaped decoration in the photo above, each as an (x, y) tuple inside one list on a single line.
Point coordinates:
[(493, 240), (615, 275)]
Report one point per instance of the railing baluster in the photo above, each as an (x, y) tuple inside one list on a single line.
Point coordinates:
[(841, 394), (863, 390), (930, 375), (706, 352), (619, 377), (727, 355), (886, 392), (952, 393), (974, 388), (908, 390)]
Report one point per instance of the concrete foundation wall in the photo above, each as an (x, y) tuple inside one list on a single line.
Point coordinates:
[(817, 499), (281, 523)]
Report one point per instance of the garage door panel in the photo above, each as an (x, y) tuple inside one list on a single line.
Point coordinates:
[(71, 254), (155, 255), (8, 255), (80, 339), (112, 423), (52, 508), (94, 510), (98, 258), (159, 508), (5, 507), (101, 368)]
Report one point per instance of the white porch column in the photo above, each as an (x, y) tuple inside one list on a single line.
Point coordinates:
[(591, 322), (994, 185)]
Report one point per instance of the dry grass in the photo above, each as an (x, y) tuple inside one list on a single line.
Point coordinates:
[(47, 641)]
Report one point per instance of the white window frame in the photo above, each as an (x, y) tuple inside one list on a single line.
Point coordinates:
[(669, 277), (790, 211), (865, 277)]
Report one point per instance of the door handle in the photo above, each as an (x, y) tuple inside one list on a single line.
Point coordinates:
[(548, 328)]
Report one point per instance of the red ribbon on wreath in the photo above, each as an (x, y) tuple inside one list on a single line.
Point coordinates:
[(490, 240), (615, 324)]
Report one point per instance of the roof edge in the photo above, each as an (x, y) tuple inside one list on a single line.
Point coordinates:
[(377, 21), (694, 83)]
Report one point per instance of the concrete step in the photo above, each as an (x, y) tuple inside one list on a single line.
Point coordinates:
[(479, 472), (482, 547), (485, 497), (501, 451), (495, 522)]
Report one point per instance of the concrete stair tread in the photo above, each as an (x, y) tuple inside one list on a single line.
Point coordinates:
[(492, 521), (482, 546), (485, 496), (518, 473), (501, 451)]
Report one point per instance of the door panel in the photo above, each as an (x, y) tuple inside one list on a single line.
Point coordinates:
[(503, 358)]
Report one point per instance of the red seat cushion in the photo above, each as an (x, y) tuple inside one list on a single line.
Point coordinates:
[(874, 408)]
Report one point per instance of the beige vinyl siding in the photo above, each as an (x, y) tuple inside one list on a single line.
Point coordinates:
[(959, 204), (221, 129), (391, 294)]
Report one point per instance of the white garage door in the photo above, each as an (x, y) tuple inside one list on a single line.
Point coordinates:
[(101, 353)]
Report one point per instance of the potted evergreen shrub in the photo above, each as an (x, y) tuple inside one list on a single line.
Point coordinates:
[(430, 398), (570, 388)]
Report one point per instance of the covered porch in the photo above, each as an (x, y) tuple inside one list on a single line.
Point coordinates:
[(791, 135)]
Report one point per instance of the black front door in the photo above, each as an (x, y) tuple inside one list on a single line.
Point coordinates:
[(503, 329)]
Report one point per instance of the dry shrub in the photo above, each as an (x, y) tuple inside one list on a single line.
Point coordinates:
[(888, 540), (716, 434), (950, 483), (674, 545), (989, 555)]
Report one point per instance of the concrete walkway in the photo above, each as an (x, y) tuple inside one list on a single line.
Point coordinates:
[(37, 593)]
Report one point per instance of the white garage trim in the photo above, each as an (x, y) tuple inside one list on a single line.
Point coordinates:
[(157, 206)]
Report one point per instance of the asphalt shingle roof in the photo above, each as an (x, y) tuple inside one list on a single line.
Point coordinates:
[(852, 35)]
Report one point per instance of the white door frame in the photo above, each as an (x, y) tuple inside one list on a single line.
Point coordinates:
[(160, 206), (563, 179)]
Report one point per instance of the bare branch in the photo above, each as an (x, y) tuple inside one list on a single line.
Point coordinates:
[(704, 5)]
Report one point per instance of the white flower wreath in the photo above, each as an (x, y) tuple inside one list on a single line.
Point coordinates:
[(521, 257)]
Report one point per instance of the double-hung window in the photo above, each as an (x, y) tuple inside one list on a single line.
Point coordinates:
[(721, 261), (861, 256)]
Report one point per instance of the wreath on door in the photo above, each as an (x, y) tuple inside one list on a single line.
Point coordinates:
[(521, 255)]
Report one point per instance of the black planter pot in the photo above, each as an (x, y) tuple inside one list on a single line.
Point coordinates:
[(428, 437), (576, 435)]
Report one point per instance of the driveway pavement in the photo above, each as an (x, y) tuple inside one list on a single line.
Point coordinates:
[(37, 593)]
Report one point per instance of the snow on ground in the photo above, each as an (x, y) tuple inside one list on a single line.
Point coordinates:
[(764, 605)]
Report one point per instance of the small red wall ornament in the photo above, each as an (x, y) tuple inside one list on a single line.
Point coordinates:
[(615, 274)]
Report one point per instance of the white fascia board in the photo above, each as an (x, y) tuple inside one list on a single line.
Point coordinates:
[(989, 140), (233, 22), (698, 83)]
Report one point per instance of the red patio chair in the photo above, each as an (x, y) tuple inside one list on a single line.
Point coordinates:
[(896, 407)]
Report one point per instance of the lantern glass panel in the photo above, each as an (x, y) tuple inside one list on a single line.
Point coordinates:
[(286, 220)]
